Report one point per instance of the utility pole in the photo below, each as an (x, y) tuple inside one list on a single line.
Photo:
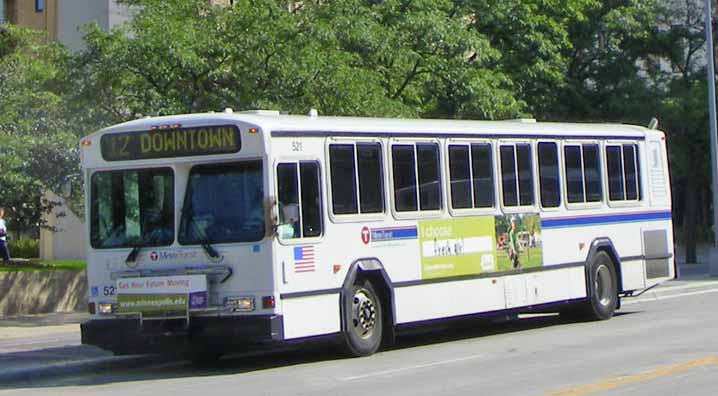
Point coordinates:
[(712, 116)]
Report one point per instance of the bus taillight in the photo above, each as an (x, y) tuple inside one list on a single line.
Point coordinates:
[(268, 302)]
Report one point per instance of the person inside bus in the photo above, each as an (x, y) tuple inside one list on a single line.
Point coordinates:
[(288, 221)]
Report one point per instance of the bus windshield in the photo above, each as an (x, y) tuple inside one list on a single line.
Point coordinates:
[(132, 208), (223, 204)]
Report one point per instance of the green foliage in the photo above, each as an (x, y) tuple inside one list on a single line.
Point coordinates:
[(38, 135), (24, 248), (44, 265), (580, 60)]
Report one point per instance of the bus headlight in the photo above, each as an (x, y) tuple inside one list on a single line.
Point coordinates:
[(105, 308), (240, 303)]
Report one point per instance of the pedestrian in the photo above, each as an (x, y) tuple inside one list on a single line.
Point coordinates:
[(514, 244), (4, 252)]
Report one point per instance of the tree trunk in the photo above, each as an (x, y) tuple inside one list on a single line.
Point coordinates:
[(690, 219)]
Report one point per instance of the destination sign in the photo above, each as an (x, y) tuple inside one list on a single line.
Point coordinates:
[(165, 143)]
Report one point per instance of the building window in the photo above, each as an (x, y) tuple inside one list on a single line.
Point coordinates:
[(39, 5)]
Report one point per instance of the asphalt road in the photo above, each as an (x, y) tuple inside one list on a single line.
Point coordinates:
[(665, 345)]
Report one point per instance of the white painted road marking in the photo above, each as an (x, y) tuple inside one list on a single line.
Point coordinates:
[(668, 297), (409, 368)]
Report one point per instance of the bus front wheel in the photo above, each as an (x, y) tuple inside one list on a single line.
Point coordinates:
[(363, 319), (601, 304)]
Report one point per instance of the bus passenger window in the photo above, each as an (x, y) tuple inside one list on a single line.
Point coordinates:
[(342, 168), (459, 177), (371, 178), (574, 174), (509, 187), (629, 165), (526, 175), (614, 162), (482, 167), (429, 176), (404, 171), (592, 173), (311, 199), (548, 175), (517, 182), (288, 197)]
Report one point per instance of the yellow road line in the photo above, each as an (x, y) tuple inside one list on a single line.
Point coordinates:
[(615, 382)]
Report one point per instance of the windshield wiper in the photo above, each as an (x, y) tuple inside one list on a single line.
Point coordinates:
[(131, 259), (204, 240)]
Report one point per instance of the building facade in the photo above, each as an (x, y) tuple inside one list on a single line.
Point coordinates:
[(36, 14)]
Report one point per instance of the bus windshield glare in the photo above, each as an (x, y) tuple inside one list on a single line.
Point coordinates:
[(132, 208), (223, 204)]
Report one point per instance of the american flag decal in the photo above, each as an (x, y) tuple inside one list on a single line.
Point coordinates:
[(304, 259)]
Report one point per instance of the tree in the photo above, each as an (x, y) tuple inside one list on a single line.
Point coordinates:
[(38, 145), (345, 57)]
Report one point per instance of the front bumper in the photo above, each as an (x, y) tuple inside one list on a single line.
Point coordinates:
[(221, 334)]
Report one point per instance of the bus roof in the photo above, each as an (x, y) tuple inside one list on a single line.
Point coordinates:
[(287, 125)]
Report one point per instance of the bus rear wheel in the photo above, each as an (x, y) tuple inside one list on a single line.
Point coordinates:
[(603, 282), (363, 319)]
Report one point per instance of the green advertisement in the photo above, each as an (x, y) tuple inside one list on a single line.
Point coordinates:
[(458, 246), (479, 244), (159, 304)]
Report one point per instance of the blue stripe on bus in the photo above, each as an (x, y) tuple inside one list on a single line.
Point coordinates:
[(393, 233), (603, 219)]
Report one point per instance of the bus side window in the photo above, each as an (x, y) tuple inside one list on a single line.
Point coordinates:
[(404, 171), (624, 183), (342, 165), (300, 214), (288, 194), (517, 175), (482, 168), (471, 176), (311, 199), (548, 175)]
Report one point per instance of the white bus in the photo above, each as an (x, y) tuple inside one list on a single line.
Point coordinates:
[(209, 232)]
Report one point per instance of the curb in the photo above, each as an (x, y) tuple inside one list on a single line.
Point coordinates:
[(49, 371)]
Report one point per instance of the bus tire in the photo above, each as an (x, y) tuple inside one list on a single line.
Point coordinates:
[(603, 283), (363, 314)]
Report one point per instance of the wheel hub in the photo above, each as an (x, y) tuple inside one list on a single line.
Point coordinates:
[(602, 285), (363, 314)]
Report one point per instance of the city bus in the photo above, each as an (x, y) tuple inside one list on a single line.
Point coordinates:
[(210, 233)]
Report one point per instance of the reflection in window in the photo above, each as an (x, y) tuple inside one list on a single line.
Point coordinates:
[(132, 208)]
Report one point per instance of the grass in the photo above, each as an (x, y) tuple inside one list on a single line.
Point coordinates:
[(529, 257), (43, 265)]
